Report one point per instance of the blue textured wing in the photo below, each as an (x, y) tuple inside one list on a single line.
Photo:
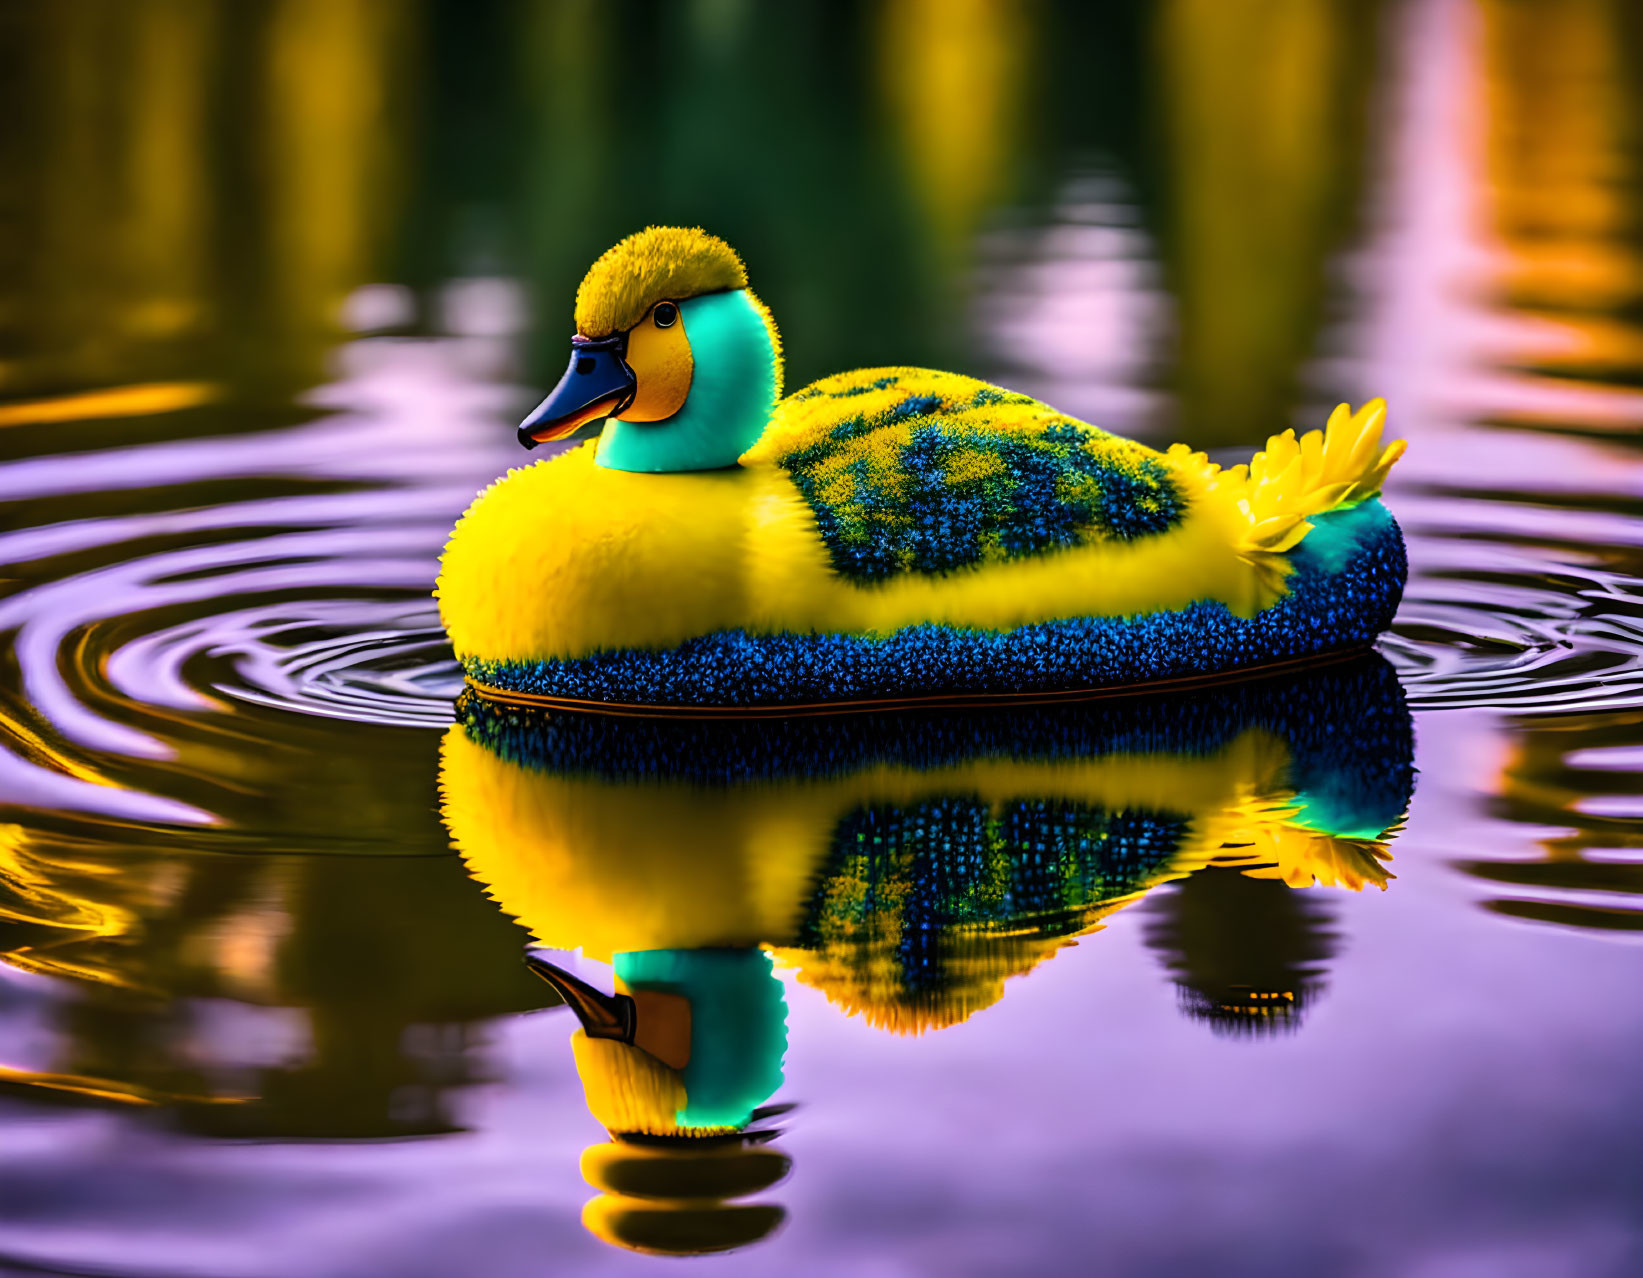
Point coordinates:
[(909, 470)]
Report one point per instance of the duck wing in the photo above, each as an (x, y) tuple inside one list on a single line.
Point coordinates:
[(913, 471)]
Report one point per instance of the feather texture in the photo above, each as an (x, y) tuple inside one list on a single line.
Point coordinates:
[(671, 262), (1291, 480), (909, 470)]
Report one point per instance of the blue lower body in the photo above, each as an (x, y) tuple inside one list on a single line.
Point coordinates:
[(1348, 577)]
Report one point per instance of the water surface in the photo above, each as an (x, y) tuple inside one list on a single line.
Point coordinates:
[(278, 284)]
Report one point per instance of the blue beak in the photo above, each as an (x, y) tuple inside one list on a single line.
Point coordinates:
[(597, 384)]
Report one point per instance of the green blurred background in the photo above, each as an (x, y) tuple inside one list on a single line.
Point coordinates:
[(199, 186)]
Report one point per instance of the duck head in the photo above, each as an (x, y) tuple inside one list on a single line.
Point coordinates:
[(673, 354), (689, 1046), (676, 1066)]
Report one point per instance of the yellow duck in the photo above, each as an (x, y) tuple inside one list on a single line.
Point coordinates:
[(886, 536)]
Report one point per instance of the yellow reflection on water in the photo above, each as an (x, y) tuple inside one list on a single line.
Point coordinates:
[(611, 867), (117, 203), (1577, 777), (61, 898), (1562, 149), (908, 868), (1564, 132), (362, 981), (123, 401), (953, 73), (337, 102), (204, 180), (1264, 107)]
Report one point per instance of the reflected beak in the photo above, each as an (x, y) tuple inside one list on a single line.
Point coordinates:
[(602, 1015), (597, 384)]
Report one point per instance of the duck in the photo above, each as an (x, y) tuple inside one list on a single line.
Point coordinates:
[(887, 537)]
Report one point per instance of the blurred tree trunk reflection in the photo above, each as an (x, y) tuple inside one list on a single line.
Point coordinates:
[(1564, 86), (197, 185), (1263, 107)]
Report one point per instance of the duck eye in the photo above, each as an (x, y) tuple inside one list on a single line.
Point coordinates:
[(666, 314)]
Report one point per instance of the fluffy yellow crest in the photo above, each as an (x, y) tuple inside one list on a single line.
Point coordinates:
[(674, 262)]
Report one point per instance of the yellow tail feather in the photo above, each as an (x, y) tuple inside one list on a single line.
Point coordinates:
[(1291, 479)]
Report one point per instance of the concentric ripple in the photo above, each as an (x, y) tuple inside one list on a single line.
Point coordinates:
[(1530, 644), (165, 654), (1516, 602), (386, 663)]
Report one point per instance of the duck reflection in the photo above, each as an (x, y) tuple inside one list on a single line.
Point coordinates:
[(1247, 954), (906, 866), (675, 1066)]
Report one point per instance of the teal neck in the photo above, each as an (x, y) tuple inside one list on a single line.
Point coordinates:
[(738, 1028), (732, 391)]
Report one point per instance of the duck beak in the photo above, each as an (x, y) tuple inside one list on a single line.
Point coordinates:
[(602, 1015), (598, 383)]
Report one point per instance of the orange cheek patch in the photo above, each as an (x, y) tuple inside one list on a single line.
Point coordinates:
[(661, 361)]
